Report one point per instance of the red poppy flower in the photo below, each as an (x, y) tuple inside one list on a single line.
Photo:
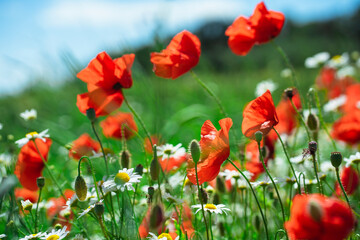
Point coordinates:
[(30, 165), (287, 115), (260, 28), (56, 206), (83, 146), (347, 128), (352, 98), (144, 227), (259, 115), (181, 55), (316, 217), (230, 167), (26, 194), (172, 163), (155, 140), (215, 150), (326, 78), (113, 125), (349, 179), (105, 79), (340, 86)]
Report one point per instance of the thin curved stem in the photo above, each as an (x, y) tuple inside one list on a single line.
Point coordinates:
[(37, 210), (102, 148), (342, 187), (211, 232)]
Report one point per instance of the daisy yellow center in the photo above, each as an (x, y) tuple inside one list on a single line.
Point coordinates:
[(31, 134), (337, 58), (188, 182), (121, 178), (53, 237), (210, 206), (165, 235)]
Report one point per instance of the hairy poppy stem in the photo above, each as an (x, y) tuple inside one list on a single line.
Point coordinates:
[(37, 210), (201, 202), (316, 174), (256, 199), (102, 148), (273, 182), (288, 158), (342, 187), (301, 119)]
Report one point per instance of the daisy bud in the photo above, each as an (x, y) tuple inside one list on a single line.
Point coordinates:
[(203, 196), (289, 92), (195, 150), (99, 209), (80, 188), (220, 185), (156, 217), (91, 115), (312, 147), (336, 159), (139, 169), (125, 159), (40, 182), (312, 122), (315, 210), (258, 136)]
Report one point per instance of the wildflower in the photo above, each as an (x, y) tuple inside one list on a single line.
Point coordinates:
[(88, 209), (349, 179), (315, 216), (316, 60), (124, 179), (347, 128), (105, 80), (259, 115), (179, 57), (335, 103), (155, 140), (163, 236), (261, 87), (29, 165), (326, 166), (338, 60), (346, 71), (215, 150), (56, 234), (119, 124), (352, 98), (171, 157), (26, 194), (232, 176), (260, 28), (83, 146), (32, 136), (264, 183), (209, 207), (33, 236), (29, 115), (26, 205), (352, 160), (2, 236), (172, 199)]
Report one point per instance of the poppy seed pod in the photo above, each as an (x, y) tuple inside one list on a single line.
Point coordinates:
[(80, 188), (99, 209), (195, 151), (315, 210), (125, 159), (258, 136), (336, 159), (312, 147), (289, 92), (312, 122), (90, 113), (40, 182), (156, 217)]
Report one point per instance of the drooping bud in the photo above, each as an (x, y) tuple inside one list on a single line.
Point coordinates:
[(203, 196), (91, 115), (289, 92), (156, 217), (139, 169), (315, 210), (312, 122), (220, 185), (154, 166), (336, 159), (99, 209), (80, 188), (40, 182), (125, 159), (258, 136), (312, 147), (195, 150)]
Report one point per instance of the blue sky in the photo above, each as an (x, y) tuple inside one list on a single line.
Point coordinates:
[(36, 34)]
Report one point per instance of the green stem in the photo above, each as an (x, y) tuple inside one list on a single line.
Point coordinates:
[(288, 159), (211, 232), (103, 228), (301, 119), (256, 199), (342, 187), (102, 148), (201, 202), (264, 201), (93, 174), (316, 174), (37, 209)]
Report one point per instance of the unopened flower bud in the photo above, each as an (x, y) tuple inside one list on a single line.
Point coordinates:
[(289, 92), (40, 182), (154, 169), (312, 147), (258, 136), (99, 209), (80, 188), (139, 169), (58, 226), (220, 185), (312, 122), (91, 115), (257, 222), (156, 217), (125, 159), (315, 210), (195, 151), (336, 159)]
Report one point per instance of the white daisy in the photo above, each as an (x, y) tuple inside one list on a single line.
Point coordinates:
[(163, 236), (170, 151), (31, 136), (29, 114), (264, 183), (218, 209), (297, 159), (235, 176), (316, 60), (335, 103), (353, 159), (91, 207), (33, 236), (26, 205), (345, 72), (2, 236), (338, 60), (326, 166), (124, 179), (56, 234), (172, 199), (262, 86), (286, 73), (65, 212), (1, 126)]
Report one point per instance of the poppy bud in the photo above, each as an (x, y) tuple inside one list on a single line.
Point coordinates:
[(258, 136), (91, 115), (151, 192), (312, 122), (156, 217), (203, 196), (315, 210), (80, 188), (336, 159), (216, 198), (154, 169), (139, 169), (40, 182), (125, 159), (99, 209), (220, 185), (312, 147), (195, 151), (289, 92), (257, 222)]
